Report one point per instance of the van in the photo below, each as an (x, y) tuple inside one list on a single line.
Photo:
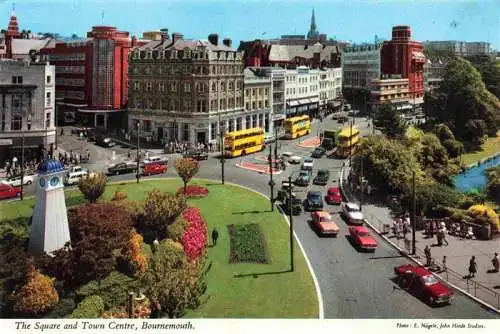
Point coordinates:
[(74, 177)]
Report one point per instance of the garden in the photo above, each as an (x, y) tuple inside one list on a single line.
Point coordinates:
[(152, 239)]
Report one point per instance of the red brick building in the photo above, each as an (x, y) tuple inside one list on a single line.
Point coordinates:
[(91, 77), (404, 57)]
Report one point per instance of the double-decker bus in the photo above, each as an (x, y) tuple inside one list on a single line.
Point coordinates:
[(348, 142), (297, 126), (243, 142)]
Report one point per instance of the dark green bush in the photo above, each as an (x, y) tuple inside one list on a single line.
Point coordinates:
[(247, 244), (63, 309), (91, 307)]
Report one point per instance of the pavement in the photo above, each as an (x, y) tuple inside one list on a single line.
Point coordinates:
[(485, 285), (352, 284)]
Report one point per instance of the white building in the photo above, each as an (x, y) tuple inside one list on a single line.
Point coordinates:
[(258, 101), (330, 88), (360, 65), (27, 112), (460, 48), (302, 91)]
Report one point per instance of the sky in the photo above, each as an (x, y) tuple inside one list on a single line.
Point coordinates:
[(349, 20)]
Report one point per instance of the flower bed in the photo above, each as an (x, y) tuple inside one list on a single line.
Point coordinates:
[(193, 191), (195, 238), (247, 244)]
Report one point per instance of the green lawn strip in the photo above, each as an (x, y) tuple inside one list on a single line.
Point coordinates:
[(279, 294), (489, 148)]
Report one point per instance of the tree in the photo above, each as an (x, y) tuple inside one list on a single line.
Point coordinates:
[(37, 296), (389, 121), (132, 256), (98, 234), (489, 68), (160, 210), (186, 168), (431, 199), (93, 186), (493, 183)]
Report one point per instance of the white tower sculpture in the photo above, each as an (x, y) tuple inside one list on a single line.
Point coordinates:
[(49, 226)]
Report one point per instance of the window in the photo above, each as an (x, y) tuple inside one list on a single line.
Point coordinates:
[(185, 132), (49, 79), (248, 122), (247, 105), (161, 86), (3, 122), (17, 79), (16, 122), (187, 87), (254, 121), (149, 86), (260, 104), (16, 101), (136, 85), (253, 105), (48, 99), (47, 120)]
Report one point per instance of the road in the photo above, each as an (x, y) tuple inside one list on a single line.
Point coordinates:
[(353, 284)]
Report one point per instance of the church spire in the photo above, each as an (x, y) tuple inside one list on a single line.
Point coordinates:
[(313, 31)]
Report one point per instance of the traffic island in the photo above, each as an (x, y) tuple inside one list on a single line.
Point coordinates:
[(310, 142)]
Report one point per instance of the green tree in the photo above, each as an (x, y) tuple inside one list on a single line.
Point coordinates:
[(432, 199), (389, 121), (93, 186), (493, 183), (489, 67), (186, 168)]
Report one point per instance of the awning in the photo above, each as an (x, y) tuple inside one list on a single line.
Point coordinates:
[(304, 101), (99, 110), (314, 100), (292, 103)]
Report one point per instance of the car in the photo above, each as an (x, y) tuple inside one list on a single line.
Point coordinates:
[(307, 164), (327, 144), (422, 283), (303, 179), (8, 191), (323, 223), (294, 159), (196, 155), (333, 196), (122, 168), (285, 189), (314, 201), (322, 177), (16, 181), (295, 202), (105, 142), (155, 159), (362, 238), (268, 138), (352, 213), (286, 155), (318, 152), (342, 119), (153, 169)]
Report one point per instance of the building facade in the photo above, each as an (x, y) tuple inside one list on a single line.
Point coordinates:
[(258, 100), (91, 77), (302, 92), (395, 91), (187, 90), (27, 106), (434, 70), (460, 48), (330, 89)]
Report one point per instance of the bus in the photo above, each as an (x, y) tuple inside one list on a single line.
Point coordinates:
[(243, 142), (297, 126), (348, 142)]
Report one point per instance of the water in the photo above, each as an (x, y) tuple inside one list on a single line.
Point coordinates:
[(475, 178)]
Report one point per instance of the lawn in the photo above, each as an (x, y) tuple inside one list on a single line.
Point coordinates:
[(234, 290), (489, 148)]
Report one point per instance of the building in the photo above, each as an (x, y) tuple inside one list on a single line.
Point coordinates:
[(258, 100), (394, 90), (187, 90), (302, 92), (91, 77), (434, 70), (404, 57), (313, 33), (330, 89), (27, 109), (152, 35), (460, 48)]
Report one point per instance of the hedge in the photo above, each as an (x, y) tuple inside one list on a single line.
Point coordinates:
[(247, 244), (90, 307)]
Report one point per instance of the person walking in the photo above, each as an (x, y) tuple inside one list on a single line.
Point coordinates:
[(496, 263), (444, 263), (427, 251), (215, 236), (472, 267)]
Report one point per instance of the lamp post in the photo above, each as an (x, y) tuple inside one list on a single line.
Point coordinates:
[(137, 175), (133, 296), (271, 181), (350, 144), (361, 199), (221, 136), (22, 160), (414, 217), (290, 217)]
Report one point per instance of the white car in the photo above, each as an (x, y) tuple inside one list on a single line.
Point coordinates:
[(154, 159), (74, 177), (286, 155), (307, 164), (294, 159), (16, 181), (352, 213)]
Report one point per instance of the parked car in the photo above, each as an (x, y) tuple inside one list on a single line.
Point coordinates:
[(153, 169), (16, 181), (307, 164), (156, 160), (286, 155), (352, 213), (423, 284), (295, 202), (303, 179), (342, 119), (322, 177), (122, 168), (333, 196), (314, 201), (362, 238), (196, 154), (318, 152), (324, 224), (105, 142), (295, 159), (8, 191)]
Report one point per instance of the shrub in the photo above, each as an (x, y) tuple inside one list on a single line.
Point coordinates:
[(36, 296), (62, 310), (119, 196), (482, 214), (176, 230), (135, 261), (193, 191), (93, 186), (493, 183), (247, 244), (186, 168), (89, 308), (142, 310)]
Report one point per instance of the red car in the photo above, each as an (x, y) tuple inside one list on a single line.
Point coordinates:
[(423, 284), (8, 191), (152, 169), (333, 196), (324, 224), (362, 238)]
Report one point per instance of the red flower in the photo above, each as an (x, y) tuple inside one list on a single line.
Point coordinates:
[(195, 238), (194, 191)]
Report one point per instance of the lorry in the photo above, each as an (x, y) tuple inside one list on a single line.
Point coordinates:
[(330, 139)]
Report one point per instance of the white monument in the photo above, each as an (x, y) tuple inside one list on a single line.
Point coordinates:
[(49, 226)]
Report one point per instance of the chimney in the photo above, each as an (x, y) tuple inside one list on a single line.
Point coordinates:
[(214, 39), (134, 41), (164, 35), (176, 36), (227, 42)]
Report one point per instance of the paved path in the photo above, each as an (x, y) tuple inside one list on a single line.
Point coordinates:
[(485, 285)]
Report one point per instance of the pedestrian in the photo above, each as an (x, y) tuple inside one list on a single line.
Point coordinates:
[(443, 236), (496, 263), (215, 236), (427, 251), (444, 263), (472, 267), (128, 154)]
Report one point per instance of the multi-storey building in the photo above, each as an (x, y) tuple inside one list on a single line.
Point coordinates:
[(434, 70), (187, 90), (330, 89), (91, 76), (460, 48), (27, 100), (302, 91), (394, 90), (360, 65), (258, 100)]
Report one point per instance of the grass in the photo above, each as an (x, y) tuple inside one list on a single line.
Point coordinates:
[(244, 290), (247, 244), (489, 148)]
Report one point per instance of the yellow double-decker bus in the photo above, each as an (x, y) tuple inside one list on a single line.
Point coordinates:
[(297, 126), (243, 142), (348, 142)]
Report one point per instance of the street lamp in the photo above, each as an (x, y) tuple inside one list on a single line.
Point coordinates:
[(290, 217), (22, 160), (221, 134), (137, 175), (414, 218), (271, 181), (134, 296)]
